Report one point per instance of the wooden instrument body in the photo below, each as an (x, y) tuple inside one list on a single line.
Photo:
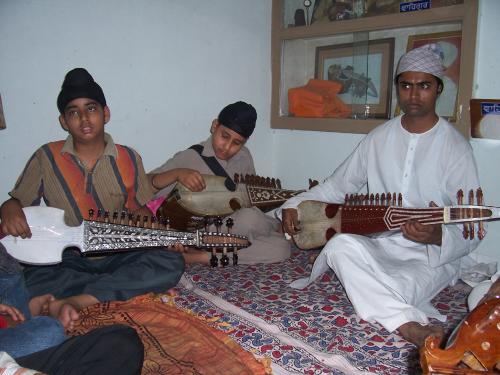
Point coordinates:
[(50, 236), (474, 349), (319, 221)]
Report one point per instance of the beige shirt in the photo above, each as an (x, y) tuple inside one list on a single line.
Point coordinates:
[(241, 163)]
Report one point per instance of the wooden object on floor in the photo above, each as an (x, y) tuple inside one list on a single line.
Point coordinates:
[(474, 349)]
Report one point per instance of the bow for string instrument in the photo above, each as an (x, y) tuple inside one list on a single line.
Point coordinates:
[(50, 236), (221, 197), (368, 214)]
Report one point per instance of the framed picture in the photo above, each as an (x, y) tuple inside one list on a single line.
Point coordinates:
[(485, 118), (331, 10), (366, 77), (450, 44)]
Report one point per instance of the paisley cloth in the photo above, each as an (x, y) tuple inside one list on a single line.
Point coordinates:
[(175, 342)]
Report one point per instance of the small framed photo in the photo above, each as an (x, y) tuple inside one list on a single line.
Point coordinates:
[(450, 45), (485, 118), (365, 74)]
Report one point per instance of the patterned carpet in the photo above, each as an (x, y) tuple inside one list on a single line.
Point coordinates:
[(310, 331)]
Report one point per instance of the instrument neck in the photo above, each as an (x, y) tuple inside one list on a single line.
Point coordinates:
[(267, 196), (102, 237), (379, 218)]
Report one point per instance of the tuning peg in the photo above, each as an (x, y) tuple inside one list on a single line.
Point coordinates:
[(224, 261), (278, 183), (145, 221), (99, 214), (106, 216), (481, 232), (166, 222), (154, 222), (206, 222), (400, 200), (218, 223), (91, 214), (214, 262), (229, 224), (236, 178), (382, 199), (115, 217)]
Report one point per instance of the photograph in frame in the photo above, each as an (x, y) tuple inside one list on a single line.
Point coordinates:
[(366, 78), (450, 44)]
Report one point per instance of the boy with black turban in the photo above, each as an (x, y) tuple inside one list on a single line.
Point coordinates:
[(88, 171), (226, 144)]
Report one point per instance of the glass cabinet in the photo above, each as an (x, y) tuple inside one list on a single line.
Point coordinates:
[(333, 62)]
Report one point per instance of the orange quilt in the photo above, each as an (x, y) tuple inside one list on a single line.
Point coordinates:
[(175, 342)]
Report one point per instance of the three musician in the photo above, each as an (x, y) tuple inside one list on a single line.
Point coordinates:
[(392, 277), (224, 154)]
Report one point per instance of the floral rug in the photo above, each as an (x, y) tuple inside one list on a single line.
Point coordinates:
[(310, 331)]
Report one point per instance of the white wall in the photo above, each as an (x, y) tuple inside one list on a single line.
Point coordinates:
[(166, 67), (316, 154)]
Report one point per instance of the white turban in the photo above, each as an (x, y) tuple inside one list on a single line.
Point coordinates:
[(425, 59)]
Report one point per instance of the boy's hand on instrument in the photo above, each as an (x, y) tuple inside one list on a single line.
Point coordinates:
[(178, 247), (191, 179), (290, 221), (12, 312), (14, 221)]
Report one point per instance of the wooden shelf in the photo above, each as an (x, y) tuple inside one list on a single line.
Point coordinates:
[(466, 14)]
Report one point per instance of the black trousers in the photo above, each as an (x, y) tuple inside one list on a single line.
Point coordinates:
[(115, 349)]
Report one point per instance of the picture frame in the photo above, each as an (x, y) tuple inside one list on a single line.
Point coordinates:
[(366, 76), (485, 118), (450, 43)]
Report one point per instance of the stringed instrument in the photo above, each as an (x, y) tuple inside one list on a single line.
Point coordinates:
[(363, 214), (187, 209), (474, 347), (50, 236)]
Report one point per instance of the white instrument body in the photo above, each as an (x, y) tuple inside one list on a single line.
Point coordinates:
[(214, 200), (51, 235), (48, 229)]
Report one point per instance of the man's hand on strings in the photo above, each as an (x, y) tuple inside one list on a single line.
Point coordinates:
[(429, 234)]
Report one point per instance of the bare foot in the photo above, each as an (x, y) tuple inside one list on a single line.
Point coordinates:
[(416, 333), (312, 258), (66, 310), (40, 304)]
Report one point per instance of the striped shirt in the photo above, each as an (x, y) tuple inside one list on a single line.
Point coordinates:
[(55, 175)]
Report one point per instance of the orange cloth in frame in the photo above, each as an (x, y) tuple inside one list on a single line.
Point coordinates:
[(318, 98)]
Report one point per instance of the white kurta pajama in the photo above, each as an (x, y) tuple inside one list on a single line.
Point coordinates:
[(388, 278)]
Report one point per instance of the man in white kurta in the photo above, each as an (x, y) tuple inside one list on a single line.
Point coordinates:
[(390, 278)]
